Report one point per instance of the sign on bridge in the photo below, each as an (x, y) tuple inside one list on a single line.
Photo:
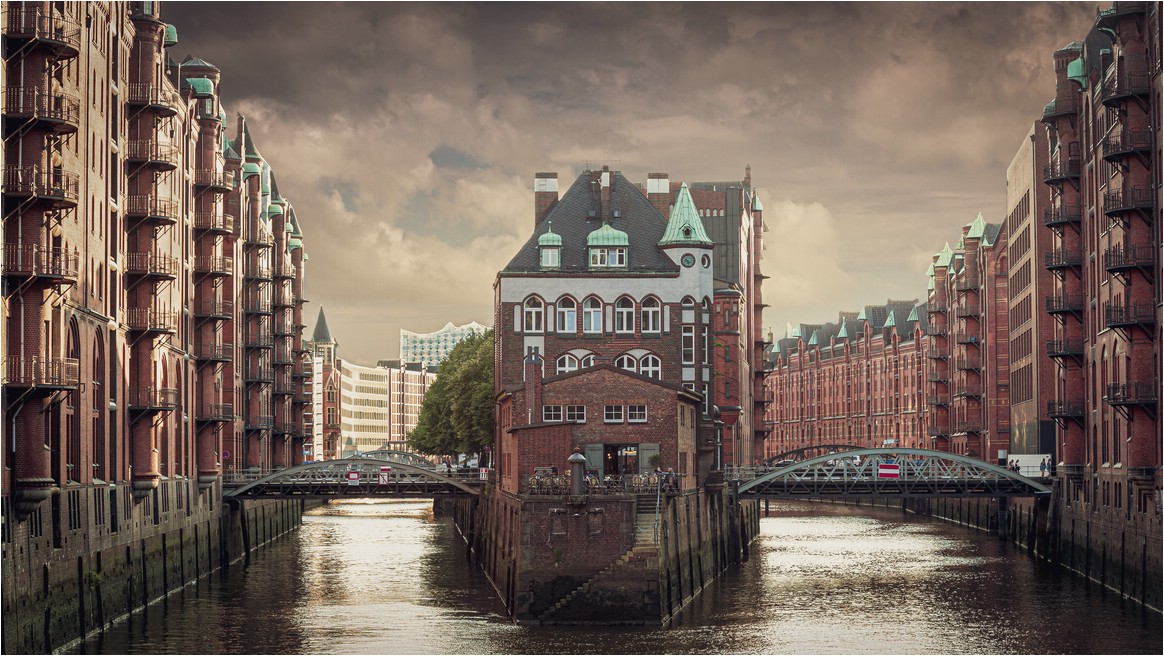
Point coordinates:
[(888, 470)]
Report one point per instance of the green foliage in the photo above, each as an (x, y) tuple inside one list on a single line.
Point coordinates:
[(457, 414)]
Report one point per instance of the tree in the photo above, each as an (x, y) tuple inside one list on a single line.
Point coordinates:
[(457, 413)]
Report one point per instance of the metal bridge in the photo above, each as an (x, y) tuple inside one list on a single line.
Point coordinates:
[(885, 473), (377, 474)]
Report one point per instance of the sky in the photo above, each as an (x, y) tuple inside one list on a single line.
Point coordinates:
[(407, 135)]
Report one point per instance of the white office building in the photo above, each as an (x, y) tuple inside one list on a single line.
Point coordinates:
[(431, 349)]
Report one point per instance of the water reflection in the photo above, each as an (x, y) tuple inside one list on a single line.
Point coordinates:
[(386, 577)]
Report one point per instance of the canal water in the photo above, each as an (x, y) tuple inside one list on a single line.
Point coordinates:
[(388, 578)]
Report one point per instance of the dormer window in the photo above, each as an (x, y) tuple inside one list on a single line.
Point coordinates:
[(550, 248), (551, 257), (612, 257)]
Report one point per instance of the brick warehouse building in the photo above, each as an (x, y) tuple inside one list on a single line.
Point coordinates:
[(152, 282), (930, 375), (1103, 177), (613, 275)]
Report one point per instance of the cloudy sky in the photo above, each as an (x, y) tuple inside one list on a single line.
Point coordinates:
[(407, 135)]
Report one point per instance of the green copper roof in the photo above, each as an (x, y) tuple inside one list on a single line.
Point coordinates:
[(843, 333), (890, 321), (294, 243), (930, 272), (685, 227), (321, 334), (249, 169), (977, 228), (812, 340), (912, 314), (945, 256), (274, 209), (930, 286), (171, 38), (1077, 72), (265, 183), (757, 206), (251, 151), (607, 235), (549, 237), (203, 88), (196, 62), (861, 315)]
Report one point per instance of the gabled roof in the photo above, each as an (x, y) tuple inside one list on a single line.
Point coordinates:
[(977, 228), (945, 256), (991, 235), (685, 227), (573, 222)]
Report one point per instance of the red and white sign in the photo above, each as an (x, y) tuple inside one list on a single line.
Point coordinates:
[(354, 477), (384, 471), (888, 470)]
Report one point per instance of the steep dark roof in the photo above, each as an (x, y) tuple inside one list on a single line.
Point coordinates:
[(321, 334), (639, 219)]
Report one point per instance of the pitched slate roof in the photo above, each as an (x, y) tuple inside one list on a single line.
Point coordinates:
[(321, 334), (639, 219), (685, 226)]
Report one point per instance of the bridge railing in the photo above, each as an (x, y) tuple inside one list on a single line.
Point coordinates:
[(561, 484)]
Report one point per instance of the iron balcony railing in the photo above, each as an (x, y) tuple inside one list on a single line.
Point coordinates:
[(966, 337), (214, 265), (1065, 409), (1066, 106), (1125, 85), (261, 422), (152, 151), (1123, 258), (153, 398), (284, 300), (36, 371), (152, 207), (258, 272), (937, 307), (967, 311), (258, 237), (152, 320), (969, 364), (62, 110), (214, 221), (934, 430), (966, 284), (215, 309), (1132, 314), (1056, 216), (936, 331), (1132, 393), (35, 21), (1064, 303), (1126, 143), (968, 390), (151, 264), (938, 399), (938, 352), (1061, 348), (1062, 259), (260, 374), (1120, 201), (968, 426), (1060, 170), (54, 185), (36, 260), (214, 178), (153, 95), (216, 352), (938, 377), (217, 412), (258, 306)]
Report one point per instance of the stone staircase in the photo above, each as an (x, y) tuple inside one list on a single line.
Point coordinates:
[(631, 563)]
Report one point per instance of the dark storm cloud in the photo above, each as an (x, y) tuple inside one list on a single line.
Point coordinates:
[(407, 134)]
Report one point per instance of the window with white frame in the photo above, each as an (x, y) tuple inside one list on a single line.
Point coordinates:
[(627, 362), (636, 414), (551, 257), (608, 257), (567, 315), (592, 316), (566, 363), (533, 314), (688, 344), (551, 413), (651, 366), (612, 414), (651, 316), (576, 413), (624, 316), (586, 361)]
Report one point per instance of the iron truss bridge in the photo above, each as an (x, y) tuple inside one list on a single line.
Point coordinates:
[(362, 477), (885, 472)]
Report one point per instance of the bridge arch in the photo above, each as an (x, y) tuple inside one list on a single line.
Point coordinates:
[(919, 472), (330, 479)]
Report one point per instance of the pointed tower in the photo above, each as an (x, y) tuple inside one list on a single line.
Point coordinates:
[(685, 241)]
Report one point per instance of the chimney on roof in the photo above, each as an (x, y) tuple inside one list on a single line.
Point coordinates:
[(545, 195), (605, 180), (533, 386), (659, 193)]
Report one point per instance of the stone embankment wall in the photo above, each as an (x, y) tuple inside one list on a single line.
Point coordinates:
[(602, 560), (89, 557)]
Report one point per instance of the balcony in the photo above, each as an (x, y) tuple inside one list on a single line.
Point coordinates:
[(938, 353), (151, 208), (937, 307), (1109, 17), (214, 309), (969, 364), (938, 377), (258, 306), (214, 179), (284, 329), (151, 265), (1060, 171), (938, 399), (56, 187), (966, 337), (302, 372), (967, 284), (261, 422), (261, 340), (972, 391), (284, 300), (30, 22), (1066, 409), (150, 320), (162, 156), (213, 265), (283, 357), (1121, 259), (1132, 394), (284, 386), (1120, 202), (35, 371), (936, 331), (1121, 86), (1062, 259), (256, 374), (33, 260), (968, 426), (216, 352), (1068, 106), (60, 113), (217, 222), (1065, 348), (1132, 315), (1065, 304), (937, 431), (285, 270), (216, 412), (258, 272), (967, 311), (162, 100), (260, 239), (152, 399), (1128, 142), (1055, 217)]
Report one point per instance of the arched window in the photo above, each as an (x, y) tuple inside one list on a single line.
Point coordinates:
[(587, 360), (533, 314), (624, 316), (567, 315), (651, 366), (626, 362), (567, 362), (651, 315), (592, 316)]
